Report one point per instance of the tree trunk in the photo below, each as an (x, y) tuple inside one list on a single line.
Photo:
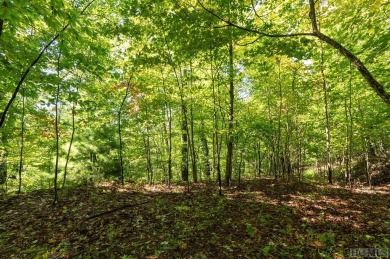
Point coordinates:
[(120, 132), (367, 164), (239, 168), (215, 122), (279, 157), (3, 158), (257, 150), (205, 149), (347, 156), (170, 147), (326, 113), (367, 145), (21, 142), (192, 139), (350, 126), (168, 132), (229, 155), (3, 12), (57, 130), (184, 124), (299, 166), (149, 167), (147, 152), (287, 155), (70, 144), (327, 134), (184, 144), (168, 142), (216, 139)]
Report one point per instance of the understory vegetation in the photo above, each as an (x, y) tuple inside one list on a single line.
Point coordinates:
[(261, 218), (194, 128)]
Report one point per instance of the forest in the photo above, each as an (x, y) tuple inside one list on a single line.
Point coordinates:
[(194, 128)]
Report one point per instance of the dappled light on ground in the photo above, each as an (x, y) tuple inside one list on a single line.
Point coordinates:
[(261, 218)]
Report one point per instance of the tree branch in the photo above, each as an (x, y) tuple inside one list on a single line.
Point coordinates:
[(113, 210), (248, 43), (1, 20), (252, 30), (33, 63), (374, 84), (312, 15), (255, 12)]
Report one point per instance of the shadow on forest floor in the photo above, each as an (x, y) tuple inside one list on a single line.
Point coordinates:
[(262, 218)]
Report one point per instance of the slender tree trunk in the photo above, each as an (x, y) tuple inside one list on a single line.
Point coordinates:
[(278, 138), (297, 140), (367, 158), (327, 134), (184, 139), (184, 124), (229, 156), (120, 132), (170, 147), (215, 122), (148, 157), (272, 161), (184, 144), (192, 139), (120, 149), (326, 113), (350, 125), (349, 130), (257, 150), (300, 169), (147, 152), (239, 168), (184, 134), (214, 153), (21, 142), (219, 175), (287, 154), (255, 164), (259, 158), (205, 149), (346, 157), (57, 130), (367, 146), (216, 138), (3, 12), (3, 158), (160, 151), (70, 143), (168, 140)]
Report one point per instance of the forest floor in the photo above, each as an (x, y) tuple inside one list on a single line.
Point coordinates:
[(260, 219)]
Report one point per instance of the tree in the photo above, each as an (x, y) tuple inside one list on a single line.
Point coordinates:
[(262, 92), (32, 64), (371, 80)]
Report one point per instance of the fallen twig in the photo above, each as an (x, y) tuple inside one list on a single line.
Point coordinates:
[(114, 210)]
